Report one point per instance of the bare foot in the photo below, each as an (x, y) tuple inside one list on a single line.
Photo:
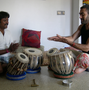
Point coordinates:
[(79, 70)]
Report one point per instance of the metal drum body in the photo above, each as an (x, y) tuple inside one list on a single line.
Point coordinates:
[(51, 52), (17, 64), (35, 57), (62, 62)]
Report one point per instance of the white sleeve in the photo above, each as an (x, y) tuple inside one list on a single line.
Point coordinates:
[(10, 38)]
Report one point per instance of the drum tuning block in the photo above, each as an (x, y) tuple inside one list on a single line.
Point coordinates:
[(34, 84)]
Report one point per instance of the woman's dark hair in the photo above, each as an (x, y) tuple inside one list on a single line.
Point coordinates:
[(4, 15), (85, 6)]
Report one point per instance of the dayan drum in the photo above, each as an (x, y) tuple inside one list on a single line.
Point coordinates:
[(49, 53), (17, 64), (35, 57), (62, 63), (52, 51)]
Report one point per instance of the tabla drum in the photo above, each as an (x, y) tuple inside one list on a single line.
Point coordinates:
[(35, 59), (50, 52), (62, 64), (17, 64)]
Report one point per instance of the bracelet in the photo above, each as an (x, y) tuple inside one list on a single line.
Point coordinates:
[(73, 44), (7, 50)]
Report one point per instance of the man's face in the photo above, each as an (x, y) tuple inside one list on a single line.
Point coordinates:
[(84, 16), (4, 23)]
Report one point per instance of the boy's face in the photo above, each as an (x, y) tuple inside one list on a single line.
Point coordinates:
[(4, 23)]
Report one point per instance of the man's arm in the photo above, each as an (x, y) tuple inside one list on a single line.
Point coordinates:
[(67, 39), (82, 47), (75, 35), (70, 40), (12, 48)]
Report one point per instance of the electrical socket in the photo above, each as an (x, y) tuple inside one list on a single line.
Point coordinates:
[(60, 12)]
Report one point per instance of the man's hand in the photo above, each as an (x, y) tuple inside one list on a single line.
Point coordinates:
[(58, 38), (55, 38), (13, 47)]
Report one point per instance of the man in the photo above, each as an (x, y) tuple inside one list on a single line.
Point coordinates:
[(83, 31), (6, 42)]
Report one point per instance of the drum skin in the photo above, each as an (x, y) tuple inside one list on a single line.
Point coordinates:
[(62, 62), (52, 51)]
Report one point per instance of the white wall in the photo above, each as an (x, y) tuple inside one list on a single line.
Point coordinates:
[(80, 4), (76, 21), (40, 15)]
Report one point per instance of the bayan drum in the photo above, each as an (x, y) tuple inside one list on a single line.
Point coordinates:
[(35, 59), (50, 52), (62, 64), (17, 64)]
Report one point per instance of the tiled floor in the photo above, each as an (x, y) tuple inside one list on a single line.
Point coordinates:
[(46, 81)]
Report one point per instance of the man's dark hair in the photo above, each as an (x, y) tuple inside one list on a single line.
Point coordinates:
[(85, 6), (4, 15)]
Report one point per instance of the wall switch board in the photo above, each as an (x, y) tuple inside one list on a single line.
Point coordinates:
[(60, 12)]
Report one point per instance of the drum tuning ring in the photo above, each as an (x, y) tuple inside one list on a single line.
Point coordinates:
[(25, 69), (11, 63), (20, 70)]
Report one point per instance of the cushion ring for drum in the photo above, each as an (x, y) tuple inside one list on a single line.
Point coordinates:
[(33, 71), (63, 76), (16, 77)]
